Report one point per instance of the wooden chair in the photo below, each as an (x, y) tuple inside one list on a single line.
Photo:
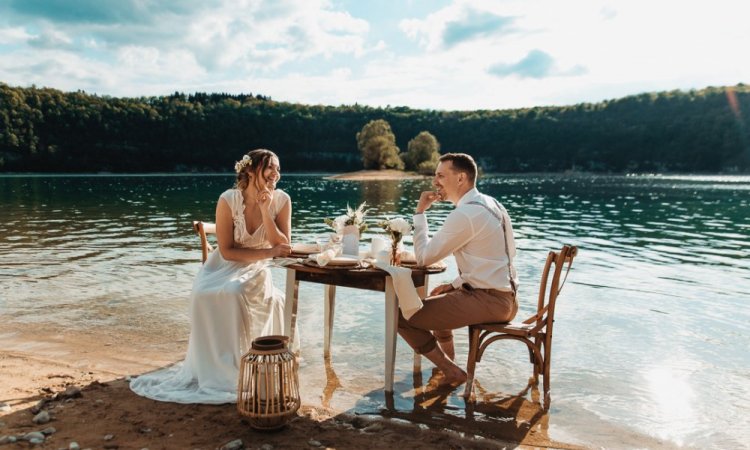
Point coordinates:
[(203, 229), (535, 332)]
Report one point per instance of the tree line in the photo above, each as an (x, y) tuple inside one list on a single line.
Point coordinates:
[(47, 130)]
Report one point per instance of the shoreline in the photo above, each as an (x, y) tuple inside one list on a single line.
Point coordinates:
[(388, 174), (38, 367)]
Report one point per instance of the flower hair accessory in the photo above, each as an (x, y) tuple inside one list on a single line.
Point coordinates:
[(241, 164)]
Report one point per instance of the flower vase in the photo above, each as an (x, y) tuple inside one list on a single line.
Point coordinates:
[(350, 240), (396, 248)]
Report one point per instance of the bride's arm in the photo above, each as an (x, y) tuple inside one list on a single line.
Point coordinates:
[(225, 238), (279, 229)]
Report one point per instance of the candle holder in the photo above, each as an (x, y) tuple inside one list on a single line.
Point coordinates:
[(268, 388)]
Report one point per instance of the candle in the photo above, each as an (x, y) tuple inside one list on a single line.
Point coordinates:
[(378, 245)]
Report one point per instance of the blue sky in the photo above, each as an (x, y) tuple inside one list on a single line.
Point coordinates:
[(442, 54)]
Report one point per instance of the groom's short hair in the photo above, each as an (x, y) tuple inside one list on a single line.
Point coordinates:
[(462, 163)]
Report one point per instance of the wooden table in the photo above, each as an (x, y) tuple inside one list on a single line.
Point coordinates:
[(371, 279)]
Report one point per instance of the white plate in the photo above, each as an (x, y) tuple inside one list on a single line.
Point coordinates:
[(344, 261), (305, 248)]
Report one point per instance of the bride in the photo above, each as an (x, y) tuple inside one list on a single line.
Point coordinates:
[(233, 299)]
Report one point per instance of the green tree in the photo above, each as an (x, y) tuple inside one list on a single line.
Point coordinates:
[(422, 153), (377, 143)]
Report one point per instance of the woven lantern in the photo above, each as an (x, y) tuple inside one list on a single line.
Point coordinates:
[(268, 390)]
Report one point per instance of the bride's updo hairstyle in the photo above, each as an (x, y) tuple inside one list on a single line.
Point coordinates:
[(253, 163)]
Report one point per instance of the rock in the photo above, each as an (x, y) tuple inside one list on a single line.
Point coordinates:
[(36, 441), (42, 417), (266, 447), (314, 443), (71, 392), (374, 427), (4, 407), (144, 430), (39, 405), (74, 446), (233, 445), (7, 440), (49, 430), (33, 435), (109, 437)]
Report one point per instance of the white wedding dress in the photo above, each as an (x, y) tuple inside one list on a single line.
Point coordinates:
[(231, 304)]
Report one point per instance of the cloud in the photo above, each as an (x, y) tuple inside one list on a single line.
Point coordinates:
[(475, 24), (536, 64)]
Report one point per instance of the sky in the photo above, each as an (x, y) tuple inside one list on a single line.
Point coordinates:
[(436, 54)]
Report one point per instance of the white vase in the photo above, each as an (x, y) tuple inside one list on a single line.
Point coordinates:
[(350, 240)]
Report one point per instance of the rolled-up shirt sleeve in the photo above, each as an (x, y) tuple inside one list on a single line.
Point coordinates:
[(455, 233)]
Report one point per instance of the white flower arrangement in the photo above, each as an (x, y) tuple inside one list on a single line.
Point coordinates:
[(241, 164), (352, 217), (398, 228)]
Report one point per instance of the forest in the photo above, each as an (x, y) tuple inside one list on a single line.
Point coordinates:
[(47, 130)]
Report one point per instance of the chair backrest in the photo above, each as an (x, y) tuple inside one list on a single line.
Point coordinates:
[(203, 229), (550, 287)]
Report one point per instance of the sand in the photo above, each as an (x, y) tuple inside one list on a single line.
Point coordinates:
[(81, 379)]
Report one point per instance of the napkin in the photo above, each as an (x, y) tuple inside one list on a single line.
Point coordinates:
[(324, 257), (408, 299)]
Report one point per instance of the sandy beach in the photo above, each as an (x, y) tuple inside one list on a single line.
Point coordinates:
[(80, 378)]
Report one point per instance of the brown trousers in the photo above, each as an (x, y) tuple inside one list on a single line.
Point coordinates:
[(455, 309)]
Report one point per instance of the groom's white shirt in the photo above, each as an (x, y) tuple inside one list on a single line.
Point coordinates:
[(475, 238)]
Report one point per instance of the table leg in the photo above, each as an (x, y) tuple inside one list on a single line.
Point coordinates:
[(329, 298), (391, 324), (422, 293), (290, 305)]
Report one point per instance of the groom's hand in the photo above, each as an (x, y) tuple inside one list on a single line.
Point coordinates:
[(426, 199)]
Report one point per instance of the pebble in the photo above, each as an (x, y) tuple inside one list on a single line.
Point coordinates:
[(74, 446), (42, 417), (36, 441), (33, 435), (49, 430), (7, 440), (314, 443), (71, 392), (4, 407), (375, 427), (266, 447), (109, 437), (39, 406), (233, 445)]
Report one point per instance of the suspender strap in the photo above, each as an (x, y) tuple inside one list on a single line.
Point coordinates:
[(505, 237)]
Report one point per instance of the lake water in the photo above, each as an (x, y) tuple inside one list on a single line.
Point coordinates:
[(652, 329)]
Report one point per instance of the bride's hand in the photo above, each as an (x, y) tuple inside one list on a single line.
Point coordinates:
[(281, 250), (264, 199)]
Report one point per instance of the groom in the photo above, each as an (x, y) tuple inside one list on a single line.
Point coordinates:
[(479, 234)]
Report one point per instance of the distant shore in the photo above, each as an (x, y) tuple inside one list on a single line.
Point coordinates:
[(388, 174)]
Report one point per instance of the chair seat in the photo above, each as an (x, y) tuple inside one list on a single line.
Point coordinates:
[(514, 328)]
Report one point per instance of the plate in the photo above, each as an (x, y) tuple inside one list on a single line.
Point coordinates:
[(343, 261), (301, 248)]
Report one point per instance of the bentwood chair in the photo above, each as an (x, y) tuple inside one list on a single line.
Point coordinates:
[(203, 229), (535, 332)]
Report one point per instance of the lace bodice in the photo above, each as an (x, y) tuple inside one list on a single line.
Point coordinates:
[(241, 236)]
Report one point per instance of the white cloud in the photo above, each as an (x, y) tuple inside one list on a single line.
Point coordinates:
[(547, 51)]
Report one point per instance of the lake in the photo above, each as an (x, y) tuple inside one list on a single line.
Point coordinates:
[(652, 328)]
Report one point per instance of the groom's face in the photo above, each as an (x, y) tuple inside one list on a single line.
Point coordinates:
[(446, 180)]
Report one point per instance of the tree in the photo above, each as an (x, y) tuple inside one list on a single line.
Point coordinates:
[(422, 153), (377, 143)]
